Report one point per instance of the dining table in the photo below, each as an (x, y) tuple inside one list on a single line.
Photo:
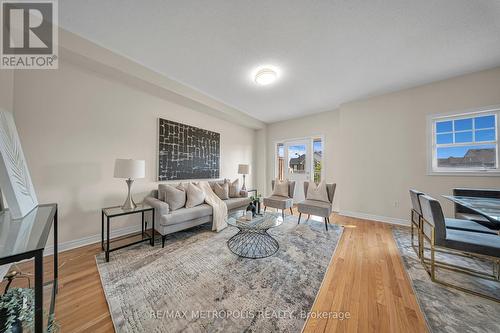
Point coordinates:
[(487, 207)]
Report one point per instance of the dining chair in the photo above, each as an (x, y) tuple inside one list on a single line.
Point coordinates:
[(456, 242), (416, 221), (451, 223), (318, 208)]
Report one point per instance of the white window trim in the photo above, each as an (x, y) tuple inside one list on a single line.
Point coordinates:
[(432, 169)]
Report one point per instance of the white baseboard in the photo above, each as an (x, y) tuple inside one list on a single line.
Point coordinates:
[(69, 245), (384, 219)]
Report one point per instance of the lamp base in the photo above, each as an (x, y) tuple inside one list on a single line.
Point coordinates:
[(129, 203), (243, 188)]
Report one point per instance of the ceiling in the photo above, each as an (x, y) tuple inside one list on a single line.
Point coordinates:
[(328, 52)]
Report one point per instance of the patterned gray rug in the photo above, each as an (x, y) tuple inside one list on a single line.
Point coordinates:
[(195, 284), (447, 309)]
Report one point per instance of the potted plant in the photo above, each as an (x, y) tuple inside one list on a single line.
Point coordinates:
[(17, 311)]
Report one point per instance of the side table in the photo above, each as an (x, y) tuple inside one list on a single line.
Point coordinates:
[(115, 211)]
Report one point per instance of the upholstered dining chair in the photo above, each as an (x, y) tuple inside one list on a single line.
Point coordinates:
[(281, 202), (456, 242), (416, 221), (315, 207)]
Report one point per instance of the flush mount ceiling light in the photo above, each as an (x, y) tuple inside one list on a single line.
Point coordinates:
[(266, 76)]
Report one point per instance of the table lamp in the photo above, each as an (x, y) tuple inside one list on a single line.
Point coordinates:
[(130, 170), (243, 169)]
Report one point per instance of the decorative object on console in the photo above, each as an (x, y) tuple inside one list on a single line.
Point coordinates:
[(15, 180), (243, 169), (187, 152), (130, 170)]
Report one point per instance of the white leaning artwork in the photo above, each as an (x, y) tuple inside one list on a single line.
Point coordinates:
[(15, 180)]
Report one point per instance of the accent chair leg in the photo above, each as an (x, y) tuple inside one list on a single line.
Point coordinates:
[(308, 216), (291, 211), (283, 214), (163, 237), (265, 207), (326, 223), (300, 214)]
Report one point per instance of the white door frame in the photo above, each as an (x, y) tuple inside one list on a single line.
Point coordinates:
[(312, 137)]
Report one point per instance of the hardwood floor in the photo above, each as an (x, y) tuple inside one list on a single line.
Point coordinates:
[(365, 278)]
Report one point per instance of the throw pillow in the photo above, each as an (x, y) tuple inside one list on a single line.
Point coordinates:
[(175, 197), (317, 192), (222, 191), (281, 188), (195, 196), (234, 189)]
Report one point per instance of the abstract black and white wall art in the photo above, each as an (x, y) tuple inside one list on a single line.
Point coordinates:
[(187, 152)]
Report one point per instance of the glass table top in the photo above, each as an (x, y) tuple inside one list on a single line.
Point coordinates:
[(118, 210), (488, 207), (26, 234), (263, 221)]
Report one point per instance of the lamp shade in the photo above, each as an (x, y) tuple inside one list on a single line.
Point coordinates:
[(243, 169), (128, 168)]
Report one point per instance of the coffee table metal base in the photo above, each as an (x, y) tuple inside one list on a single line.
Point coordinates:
[(253, 244)]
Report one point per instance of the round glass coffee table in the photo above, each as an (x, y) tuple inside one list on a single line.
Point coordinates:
[(252, 240)]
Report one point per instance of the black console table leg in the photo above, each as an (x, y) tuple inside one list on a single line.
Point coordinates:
[(107, 239), (102, 230), (39, 291), (56, 254)]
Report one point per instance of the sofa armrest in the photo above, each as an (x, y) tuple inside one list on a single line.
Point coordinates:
[(243, 194), (160, 207)]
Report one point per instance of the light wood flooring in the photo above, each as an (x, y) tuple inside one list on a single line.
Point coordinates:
[(365, 278)]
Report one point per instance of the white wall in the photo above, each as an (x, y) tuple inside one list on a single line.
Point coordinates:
[(7, 89), (73, 123), (375, 149)]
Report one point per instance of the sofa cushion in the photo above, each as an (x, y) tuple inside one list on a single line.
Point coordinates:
[(280, 188), (175, 197), (195, 196), (186, 214), (234, 203), (315, 207), (222, 191), (317, 192), (279, 202)]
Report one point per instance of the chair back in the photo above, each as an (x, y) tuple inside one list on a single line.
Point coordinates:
[(433, 214), (415, 202), (471, 192), (330, 189), (291, 187)]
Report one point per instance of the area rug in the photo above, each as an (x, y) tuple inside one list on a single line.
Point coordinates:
[(447, 309), (195, 284)]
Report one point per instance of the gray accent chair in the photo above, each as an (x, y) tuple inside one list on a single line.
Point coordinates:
[(315, 207), (279, 202), (457, 242), (168, 222)]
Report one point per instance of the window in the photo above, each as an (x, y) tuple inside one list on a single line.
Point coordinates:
[(465, 143)]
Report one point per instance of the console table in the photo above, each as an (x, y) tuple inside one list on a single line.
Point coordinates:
[(26, 238)]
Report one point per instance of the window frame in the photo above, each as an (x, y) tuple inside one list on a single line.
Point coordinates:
[(433, 168)]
